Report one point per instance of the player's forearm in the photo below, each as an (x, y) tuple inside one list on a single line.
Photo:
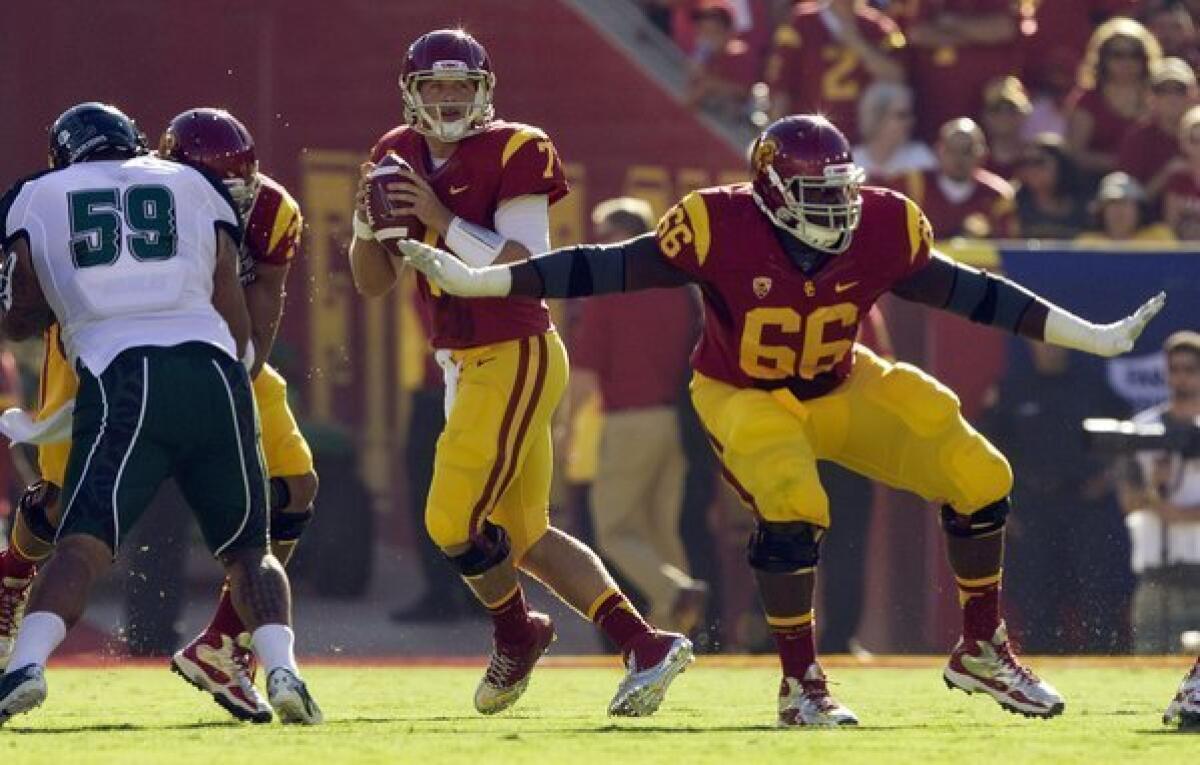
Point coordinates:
[(372, 269), (989, 299), (596, 269), (264, 301)]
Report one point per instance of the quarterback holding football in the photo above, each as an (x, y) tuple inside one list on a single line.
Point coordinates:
[(455, 176)]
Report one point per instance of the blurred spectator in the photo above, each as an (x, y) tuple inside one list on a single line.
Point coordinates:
[(1065, 534), (960, 197), (1161, 496), (826, 56), (1049, 204), (634, 349), (751, 23), (1151, 151), (722, 67), (958, 46), (1181, 195), (1111, 92), (888, 152), (1056, 36), (1120, 212), (1006, 107), (1173, 26)]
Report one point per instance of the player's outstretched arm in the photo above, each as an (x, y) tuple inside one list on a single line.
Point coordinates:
[(588, 269), (988, 299)]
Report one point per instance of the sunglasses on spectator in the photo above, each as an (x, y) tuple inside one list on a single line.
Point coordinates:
[(1124, 52), (1170, 88), (1034, 159), (901, 114)]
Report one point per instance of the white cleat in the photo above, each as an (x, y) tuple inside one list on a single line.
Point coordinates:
[(650, 668), (1184, 709), (290, 699), (14, 594), (22, 690), (806, 703), (990, 667)]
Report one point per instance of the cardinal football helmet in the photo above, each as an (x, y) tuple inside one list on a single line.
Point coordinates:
[(90, 128), (216, 141), (806, 181), (447, 54)]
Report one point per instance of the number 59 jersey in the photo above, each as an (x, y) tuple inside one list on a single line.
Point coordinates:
[(124, 251), (768, 324)]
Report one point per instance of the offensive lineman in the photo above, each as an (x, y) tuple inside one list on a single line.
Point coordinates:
[(789, 264), (136, 258)]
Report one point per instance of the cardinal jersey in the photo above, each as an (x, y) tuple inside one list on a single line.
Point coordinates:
[(780, 383), (503, 161), (272, 229), (766, 323)]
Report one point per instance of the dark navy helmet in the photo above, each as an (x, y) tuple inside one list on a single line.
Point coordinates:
[(92, 128)]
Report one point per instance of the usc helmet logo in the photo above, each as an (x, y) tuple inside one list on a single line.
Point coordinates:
[(764, 153)]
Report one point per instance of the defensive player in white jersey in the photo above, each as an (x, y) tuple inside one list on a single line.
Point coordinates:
[(136, 258)]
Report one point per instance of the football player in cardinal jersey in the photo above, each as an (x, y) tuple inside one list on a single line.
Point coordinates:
[(789, 264), (219, 660), (482, 188)]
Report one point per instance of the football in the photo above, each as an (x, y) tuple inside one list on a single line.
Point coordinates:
[(388, 225)]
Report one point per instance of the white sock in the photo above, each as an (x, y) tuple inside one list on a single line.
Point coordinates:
[(273, 644), (40, 634)]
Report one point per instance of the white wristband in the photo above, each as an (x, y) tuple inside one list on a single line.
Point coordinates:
[(362, 229), (248, 356), (474, 245)]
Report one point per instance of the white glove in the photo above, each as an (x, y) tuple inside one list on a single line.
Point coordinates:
[(1067, 330), (452, 275)]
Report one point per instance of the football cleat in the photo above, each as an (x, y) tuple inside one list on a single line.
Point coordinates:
[(989, 666), (806, 703), (650, 667), (1184, 709), (22, 690), (290, 699), (215, 664), (510, 666), (14, 594)]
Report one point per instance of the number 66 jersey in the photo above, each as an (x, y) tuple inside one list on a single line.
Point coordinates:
[(769, 324), (118, 243)]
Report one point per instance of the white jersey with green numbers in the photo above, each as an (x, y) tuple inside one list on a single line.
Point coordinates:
[(124, 251)]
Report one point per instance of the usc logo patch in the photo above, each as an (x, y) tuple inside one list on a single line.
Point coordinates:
[(764, 153)]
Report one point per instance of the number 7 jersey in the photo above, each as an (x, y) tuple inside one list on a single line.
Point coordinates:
[(768, 324), (124, 251)]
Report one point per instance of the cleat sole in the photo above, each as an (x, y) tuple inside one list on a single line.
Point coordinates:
[(237, 712), (644, 700), (970, 686), (23, 700)]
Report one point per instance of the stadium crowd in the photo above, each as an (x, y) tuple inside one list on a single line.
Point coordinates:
[(1017, 114)]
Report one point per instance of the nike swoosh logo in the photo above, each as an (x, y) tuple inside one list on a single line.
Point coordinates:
[(488, 360), (459, 189), (840, 288)]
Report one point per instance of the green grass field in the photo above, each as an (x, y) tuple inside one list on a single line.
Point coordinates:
[(714, 714)]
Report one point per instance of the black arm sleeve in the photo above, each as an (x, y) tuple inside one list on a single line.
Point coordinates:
[(596, 269), (982, 297)]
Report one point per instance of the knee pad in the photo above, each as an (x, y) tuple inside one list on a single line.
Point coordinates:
[(784, 548), (286, 526), (986, 520), (488, 549), (281, 495), (35, 500)]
